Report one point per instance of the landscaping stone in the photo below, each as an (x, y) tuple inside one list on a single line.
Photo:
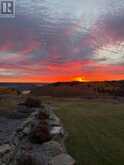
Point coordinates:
[(6, 153), (57, 130), (27, 130), (4, 148), (53, 123), (52, 149), (62, 159), (54, 118)]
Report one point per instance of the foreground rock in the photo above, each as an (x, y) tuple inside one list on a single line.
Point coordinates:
[(6, 153), (62, 159), (37, 141)]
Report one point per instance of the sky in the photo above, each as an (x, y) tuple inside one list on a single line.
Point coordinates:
[(63, 40)]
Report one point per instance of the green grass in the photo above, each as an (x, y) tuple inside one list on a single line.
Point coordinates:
[(10, 103), (96, 130)]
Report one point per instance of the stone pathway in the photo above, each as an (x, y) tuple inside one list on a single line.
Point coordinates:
[(33, 136)]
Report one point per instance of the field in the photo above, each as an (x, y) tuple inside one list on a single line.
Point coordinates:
[(96, 130)]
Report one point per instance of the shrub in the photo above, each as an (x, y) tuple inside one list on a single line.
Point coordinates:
[(40, 133), (43, 116), (32, 102)]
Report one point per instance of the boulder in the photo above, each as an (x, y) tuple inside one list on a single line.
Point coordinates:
[(27, 130), (53, 123), (52, 149), (5, 148), (31, 154), (6, 153), (62, 159), (54, 118), (57, 130)]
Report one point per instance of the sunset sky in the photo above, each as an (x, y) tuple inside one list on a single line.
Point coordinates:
[(63, 40)]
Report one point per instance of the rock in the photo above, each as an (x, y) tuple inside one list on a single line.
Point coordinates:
[(62, 159), (52, 149), (31, 154), (57, 130), (6, 153), (53, 117), (53, 123), (29, 121), (27, 130), (54, 120), (5, 148)]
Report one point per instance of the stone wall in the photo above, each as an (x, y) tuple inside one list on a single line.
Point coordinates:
[(38, 141)]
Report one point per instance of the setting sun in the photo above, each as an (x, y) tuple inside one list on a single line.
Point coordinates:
[(80, 79)]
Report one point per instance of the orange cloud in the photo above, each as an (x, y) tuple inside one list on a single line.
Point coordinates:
[(75, 70)]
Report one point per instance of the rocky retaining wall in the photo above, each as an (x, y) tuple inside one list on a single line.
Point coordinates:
[(38, 141)]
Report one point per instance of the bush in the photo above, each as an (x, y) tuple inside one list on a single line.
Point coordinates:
[(43, 116), (40, 133), (32, 102)]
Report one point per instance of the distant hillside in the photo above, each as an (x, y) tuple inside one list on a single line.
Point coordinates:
[(79, 89), (20, 86), (8, 91)]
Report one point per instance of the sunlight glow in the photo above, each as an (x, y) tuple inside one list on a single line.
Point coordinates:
[(80, 79)]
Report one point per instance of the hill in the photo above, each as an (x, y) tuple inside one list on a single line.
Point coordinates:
[(81, 89)]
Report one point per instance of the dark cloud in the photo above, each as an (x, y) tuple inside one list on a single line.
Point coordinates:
[(109, 29)]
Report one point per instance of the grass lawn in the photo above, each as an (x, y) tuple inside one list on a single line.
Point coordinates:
[(96, 130)]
